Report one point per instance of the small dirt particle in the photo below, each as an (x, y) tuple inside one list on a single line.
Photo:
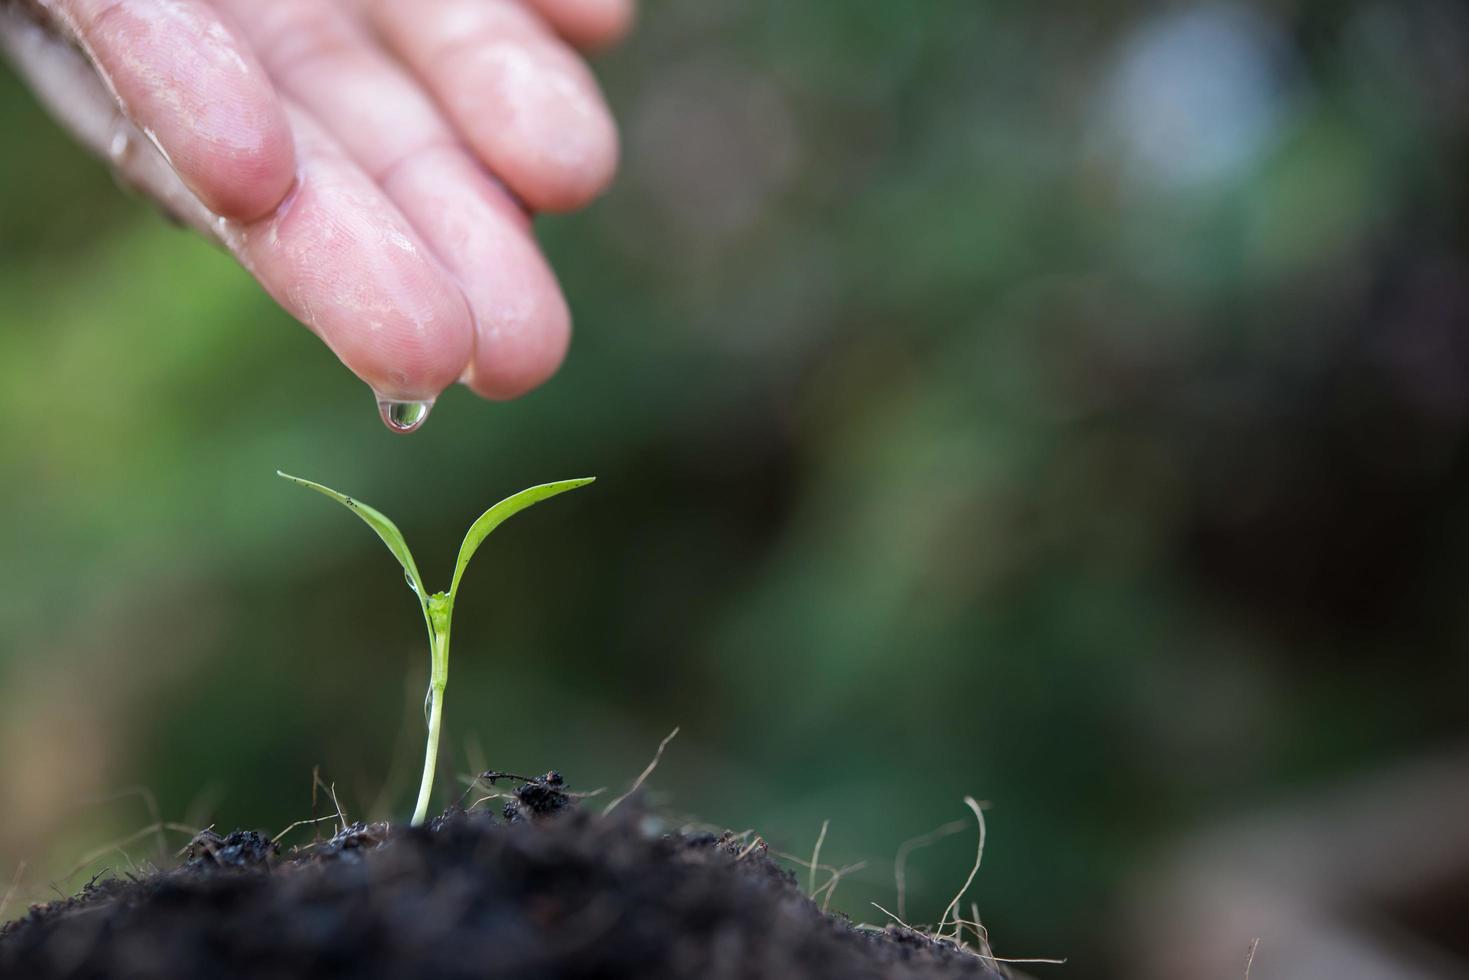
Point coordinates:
[(239, 850)]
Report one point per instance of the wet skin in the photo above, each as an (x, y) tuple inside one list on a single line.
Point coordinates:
[(373, 163)]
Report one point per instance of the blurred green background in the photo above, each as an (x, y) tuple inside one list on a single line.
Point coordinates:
[(1065, 406)]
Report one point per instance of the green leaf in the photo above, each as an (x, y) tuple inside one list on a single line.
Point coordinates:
[(385, 529), (501, 512)]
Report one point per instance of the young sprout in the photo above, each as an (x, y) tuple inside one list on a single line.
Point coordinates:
[(438, 608)]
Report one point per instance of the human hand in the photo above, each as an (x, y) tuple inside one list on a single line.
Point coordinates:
[(373, 163)]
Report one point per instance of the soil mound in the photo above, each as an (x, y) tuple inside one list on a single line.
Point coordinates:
[(545, 890)]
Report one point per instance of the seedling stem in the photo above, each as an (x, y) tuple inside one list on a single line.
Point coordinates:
[(438, 608)]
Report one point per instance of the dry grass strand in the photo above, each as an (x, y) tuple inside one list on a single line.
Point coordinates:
[(816, 858), (896, 918), (642, 777), (20, 871), (830, 887), (150, 802), (299, 823), (953, 906), (900, 863), (120, 843), (332, 790)]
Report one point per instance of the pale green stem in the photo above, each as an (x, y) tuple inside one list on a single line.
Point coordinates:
[(437, 682)]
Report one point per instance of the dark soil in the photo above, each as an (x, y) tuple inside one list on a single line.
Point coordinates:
[(545, 890)]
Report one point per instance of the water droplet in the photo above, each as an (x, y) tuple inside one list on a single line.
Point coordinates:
[(120, 148), (403, 416), (408, 577)]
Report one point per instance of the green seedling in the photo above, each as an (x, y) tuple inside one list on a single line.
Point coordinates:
[(438, 608)]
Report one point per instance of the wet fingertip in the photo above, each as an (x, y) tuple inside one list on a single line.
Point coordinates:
[(191, 84), (599, 24), (419, 356), (346, 265), (511, 364), (245, 182), (566, 170)]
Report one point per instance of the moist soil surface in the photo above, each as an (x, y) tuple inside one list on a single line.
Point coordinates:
[(544, 890)]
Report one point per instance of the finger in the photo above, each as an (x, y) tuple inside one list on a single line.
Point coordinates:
[(588, 24), (342, 259), (522, 99), (325, 61), (68, 85), (522, 324), (191, 84), (321, 58)]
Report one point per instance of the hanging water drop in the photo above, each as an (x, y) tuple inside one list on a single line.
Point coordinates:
[(120, 147), (401, 416)]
